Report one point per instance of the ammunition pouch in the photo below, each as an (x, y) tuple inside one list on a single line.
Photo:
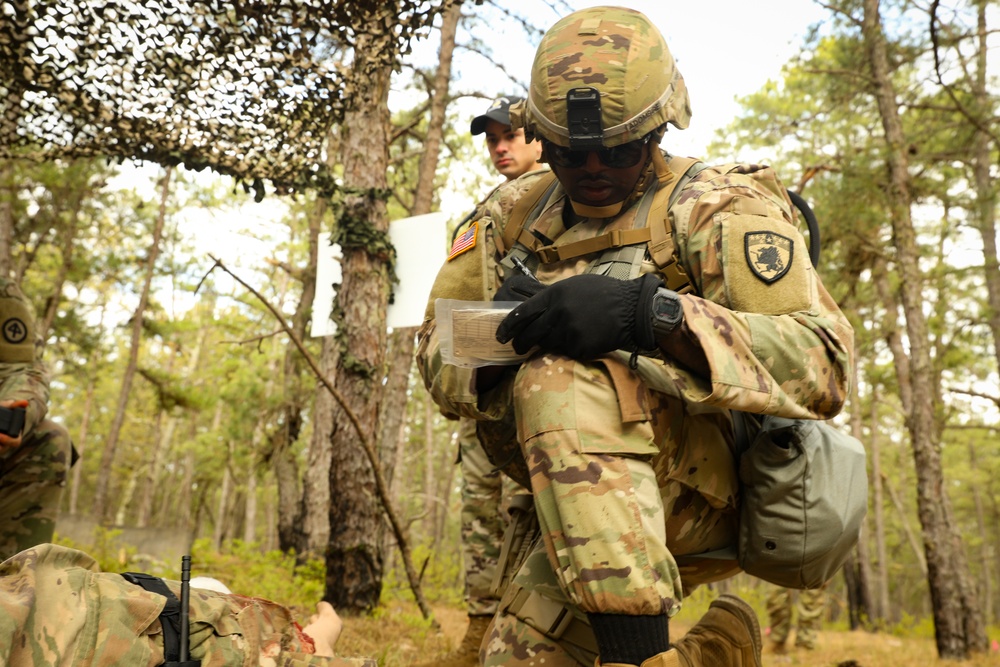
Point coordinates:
[(499, 439), (556, 621)]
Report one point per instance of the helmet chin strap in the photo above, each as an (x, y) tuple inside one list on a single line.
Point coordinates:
[(660, 168), (596, 211)]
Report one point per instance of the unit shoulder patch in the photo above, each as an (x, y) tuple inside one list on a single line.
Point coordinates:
[(768, 255), (15, 331), (465, 241)]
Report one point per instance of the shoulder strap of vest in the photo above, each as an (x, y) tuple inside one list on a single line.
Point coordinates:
[(661, 243), (525, 209)]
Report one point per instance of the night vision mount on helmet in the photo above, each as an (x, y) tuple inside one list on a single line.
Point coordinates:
[(602, 76)]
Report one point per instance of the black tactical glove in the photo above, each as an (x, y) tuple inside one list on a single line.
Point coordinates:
[(584, 317), (518, 287)]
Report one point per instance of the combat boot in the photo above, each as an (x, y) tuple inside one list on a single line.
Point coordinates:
[(728, 635), (467, 652)]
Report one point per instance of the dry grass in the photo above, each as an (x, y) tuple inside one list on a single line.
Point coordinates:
[(398, 636)]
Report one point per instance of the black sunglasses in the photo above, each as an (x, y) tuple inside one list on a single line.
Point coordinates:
[(617, 157)]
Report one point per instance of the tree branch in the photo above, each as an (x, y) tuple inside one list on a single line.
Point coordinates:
[(380, 484)]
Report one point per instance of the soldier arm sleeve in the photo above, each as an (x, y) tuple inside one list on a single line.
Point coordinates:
[(774, 339), (465, 277)]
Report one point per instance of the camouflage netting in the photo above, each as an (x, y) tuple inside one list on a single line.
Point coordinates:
[(249, 88)]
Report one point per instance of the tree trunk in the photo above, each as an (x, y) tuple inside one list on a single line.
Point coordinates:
[(863, 573), (191, 505), (402, 340), (354, 564), (392, 432), (250, 513), (81, 442), (911, 537), (292, 502), (222, 510), (851, 583), (986, 193), (68, 247), (165, 442), (148, 473), (447, 460), (881, 612), (985, 218), (6, 216), (958, 622), (984, 545), (108, 456), (317, 486), (430, 465)]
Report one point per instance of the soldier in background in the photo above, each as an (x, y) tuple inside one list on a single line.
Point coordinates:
[(645, 320), (807, 604), (36, 457), (486, 491)]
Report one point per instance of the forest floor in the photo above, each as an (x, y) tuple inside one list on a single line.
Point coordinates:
[(397, 635)]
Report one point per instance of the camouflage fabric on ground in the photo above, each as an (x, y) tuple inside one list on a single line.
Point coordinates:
[(58, 609)]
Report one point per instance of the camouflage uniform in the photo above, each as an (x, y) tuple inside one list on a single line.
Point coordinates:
[(808, 604), (32, 475), (482, 521), (58, 608), (633, 470)]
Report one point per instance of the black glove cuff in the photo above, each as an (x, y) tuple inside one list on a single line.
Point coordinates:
[(642, 332), (630, 639)]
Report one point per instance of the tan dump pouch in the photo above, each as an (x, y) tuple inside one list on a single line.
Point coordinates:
[(556, 621)]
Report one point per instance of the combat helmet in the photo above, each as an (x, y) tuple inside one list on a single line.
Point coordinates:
[(602, 76)]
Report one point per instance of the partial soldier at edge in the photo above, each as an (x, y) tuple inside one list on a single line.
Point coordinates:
[(486, 493), (35, 452)]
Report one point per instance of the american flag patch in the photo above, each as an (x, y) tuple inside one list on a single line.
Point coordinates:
[(466, 241)]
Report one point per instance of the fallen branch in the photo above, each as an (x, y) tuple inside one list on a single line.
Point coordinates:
[(380, 484)]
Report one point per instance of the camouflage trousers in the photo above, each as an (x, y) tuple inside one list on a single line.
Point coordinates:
[(32, 478), (809, 606), (486, 497), (630, 485), (57, 608)]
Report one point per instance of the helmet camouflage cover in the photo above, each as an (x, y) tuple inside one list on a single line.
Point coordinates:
[(619, 53)]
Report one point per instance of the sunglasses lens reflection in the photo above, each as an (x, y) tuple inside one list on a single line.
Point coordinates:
[(616, 157)]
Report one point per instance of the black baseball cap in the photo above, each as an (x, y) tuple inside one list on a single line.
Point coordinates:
[(499, 111)]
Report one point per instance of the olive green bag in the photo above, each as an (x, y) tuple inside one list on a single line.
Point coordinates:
[(804, 487)]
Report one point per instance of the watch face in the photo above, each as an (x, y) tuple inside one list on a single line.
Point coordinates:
[(666, 307)]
